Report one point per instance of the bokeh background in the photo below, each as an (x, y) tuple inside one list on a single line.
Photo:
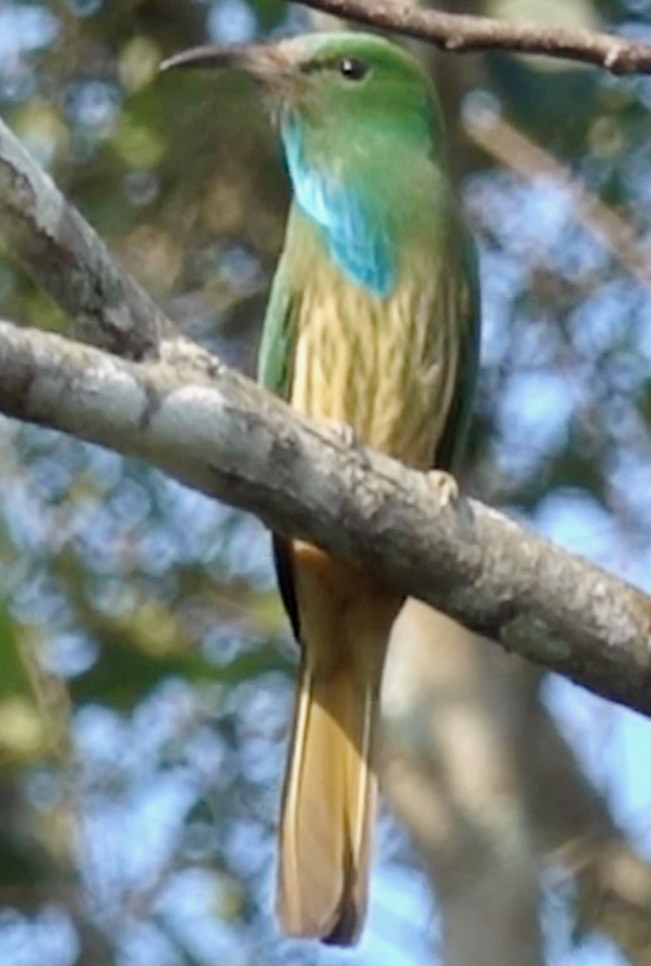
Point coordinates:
[(145, 663)]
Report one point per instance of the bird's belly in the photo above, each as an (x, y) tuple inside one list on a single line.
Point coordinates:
[(378, 365)]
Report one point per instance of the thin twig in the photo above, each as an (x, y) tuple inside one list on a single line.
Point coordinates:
[(462, 33)]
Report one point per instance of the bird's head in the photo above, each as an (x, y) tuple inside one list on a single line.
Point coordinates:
[(345, 86), (363, 139)]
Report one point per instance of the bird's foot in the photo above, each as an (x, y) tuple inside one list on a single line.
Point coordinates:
[(343, 432), (446, 487)]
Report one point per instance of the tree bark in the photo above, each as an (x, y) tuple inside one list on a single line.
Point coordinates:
[(220, 433), (461, 33)]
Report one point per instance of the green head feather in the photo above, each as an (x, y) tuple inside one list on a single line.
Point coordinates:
[(363, 138)]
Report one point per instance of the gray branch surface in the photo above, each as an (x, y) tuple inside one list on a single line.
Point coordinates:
[(463, 33), (69, 261), (220, 433)]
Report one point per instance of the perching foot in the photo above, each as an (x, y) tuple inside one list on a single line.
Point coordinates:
[(446, 487), (343, 432)]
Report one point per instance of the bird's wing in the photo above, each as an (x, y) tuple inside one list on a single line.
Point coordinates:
[(450, 448), (275, 364), (276, 355)]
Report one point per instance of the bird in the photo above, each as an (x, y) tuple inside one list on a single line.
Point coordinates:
[(372, 329)]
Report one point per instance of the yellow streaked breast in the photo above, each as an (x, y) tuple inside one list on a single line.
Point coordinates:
[(385, 366)]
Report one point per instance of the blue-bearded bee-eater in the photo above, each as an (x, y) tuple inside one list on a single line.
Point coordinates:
[(372, 322)]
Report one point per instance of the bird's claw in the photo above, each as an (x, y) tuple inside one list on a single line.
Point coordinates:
[(447, 488), (343, 432)]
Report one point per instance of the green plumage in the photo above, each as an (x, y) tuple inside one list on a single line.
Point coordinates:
[(376, 147), (372, 321)]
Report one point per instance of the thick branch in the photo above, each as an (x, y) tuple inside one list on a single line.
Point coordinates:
[(462, 33), (67, 259), (222, 434)]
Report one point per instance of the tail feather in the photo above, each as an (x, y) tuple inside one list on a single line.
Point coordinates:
[(328, 808), (330, 789)]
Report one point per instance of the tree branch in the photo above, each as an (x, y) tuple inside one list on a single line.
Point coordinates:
[(463, 33), (222, 434), (212, 429), (69, 261)]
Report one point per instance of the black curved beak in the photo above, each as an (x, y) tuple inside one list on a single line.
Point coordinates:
[(265, 63)]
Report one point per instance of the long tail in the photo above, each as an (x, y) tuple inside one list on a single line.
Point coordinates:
[(328, 806), (330, 790)]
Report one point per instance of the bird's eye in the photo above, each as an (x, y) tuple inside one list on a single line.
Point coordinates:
[(352, 69)]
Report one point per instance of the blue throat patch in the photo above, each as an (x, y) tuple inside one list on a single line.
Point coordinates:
[(364, 254)]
